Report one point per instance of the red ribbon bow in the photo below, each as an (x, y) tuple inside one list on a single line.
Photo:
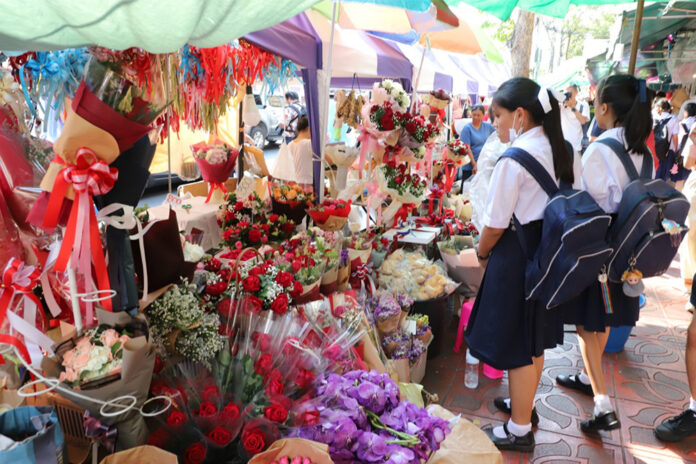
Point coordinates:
[(16, 279), (403, 212), (213, 186), (89, 176)]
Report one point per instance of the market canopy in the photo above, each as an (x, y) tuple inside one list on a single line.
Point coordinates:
[(158, 26), (656, 25), (466, 38), (556, 8)]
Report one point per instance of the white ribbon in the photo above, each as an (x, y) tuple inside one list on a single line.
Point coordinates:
[(544, 99)]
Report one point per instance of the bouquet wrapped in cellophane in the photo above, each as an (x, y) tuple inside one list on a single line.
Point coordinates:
[(216, 162)]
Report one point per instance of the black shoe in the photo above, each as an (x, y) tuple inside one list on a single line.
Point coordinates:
[(678, 427), (512, 442), (605, 421), (572, 381), (503, 407)]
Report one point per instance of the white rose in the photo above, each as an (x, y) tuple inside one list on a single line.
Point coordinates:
[(192, 252)]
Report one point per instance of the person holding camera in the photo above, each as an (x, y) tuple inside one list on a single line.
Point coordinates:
[(573, 117)]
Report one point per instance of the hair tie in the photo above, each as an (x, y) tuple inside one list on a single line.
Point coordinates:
[(641, 90), (544, 99)]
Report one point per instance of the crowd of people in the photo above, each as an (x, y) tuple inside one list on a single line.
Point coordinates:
[(506, 330)]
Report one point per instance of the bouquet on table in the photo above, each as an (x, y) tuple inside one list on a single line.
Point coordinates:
[(331, 215), (216, 162), (246, 222), (329, 244), (180, 325), (380, 248), (291, 199), (363, 419), (408, 190), (408, 355), (301, 257), (457, 154)]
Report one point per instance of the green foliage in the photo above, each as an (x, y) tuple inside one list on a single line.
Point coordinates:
[(499, 30)]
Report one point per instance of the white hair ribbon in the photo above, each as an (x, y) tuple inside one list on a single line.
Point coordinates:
[(543, 97)]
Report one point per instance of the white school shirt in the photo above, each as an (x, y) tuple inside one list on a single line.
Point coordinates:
[(689, 124), (514, 190), (603, 175), (572, 129)]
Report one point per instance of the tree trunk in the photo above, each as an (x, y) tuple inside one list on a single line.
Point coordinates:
[(522, 43)]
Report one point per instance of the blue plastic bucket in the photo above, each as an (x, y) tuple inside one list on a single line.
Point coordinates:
[(617, 338)]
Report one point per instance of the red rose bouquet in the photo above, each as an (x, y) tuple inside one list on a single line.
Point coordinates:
[(331, 215), (302, 257), (383, 122), (245, 222), (416, 134), (458, 152), (216, 162)]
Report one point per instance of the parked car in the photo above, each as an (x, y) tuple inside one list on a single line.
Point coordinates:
[(268, 130)]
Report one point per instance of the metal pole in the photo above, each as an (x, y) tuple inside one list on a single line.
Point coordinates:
[(636, 37), (169, 121), (240, 156), (325, 102)]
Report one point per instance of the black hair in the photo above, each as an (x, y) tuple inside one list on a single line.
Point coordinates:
[(630, 101), (574, 86), (520, 92), (690, 109), (664, 104), (302, 123), (292, 95), (491, 115), (478, 108)]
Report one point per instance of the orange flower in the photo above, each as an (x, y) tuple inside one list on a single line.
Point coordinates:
[(291, 195)]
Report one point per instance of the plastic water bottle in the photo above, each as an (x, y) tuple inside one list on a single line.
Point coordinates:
[(471, 371)]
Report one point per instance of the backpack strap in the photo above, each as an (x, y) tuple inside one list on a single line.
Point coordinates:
[(533, 167), (618, 148)]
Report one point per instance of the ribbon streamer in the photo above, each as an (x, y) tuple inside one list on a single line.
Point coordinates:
[(213, 186), (17, 279), (88, 177)]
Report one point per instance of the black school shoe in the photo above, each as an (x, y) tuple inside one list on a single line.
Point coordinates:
[(503, 407), (511, 442), (605, 421), (678, 427), (572, 381)]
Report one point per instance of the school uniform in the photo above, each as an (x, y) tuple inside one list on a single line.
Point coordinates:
[(604, 177), (504, 329)]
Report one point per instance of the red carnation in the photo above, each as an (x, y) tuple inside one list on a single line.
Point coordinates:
[(226, 308), (280, 304), (257, 271), (411, 127), (195, 454), (387, 122), (273, 217), (254, 441), (243, 225), (254, 236), (297, 289), (296, 265), (238, 206), (253, 304), (275, 413), (251, 284), (288, 227), (220, 436), (398, 179), (263, 365)]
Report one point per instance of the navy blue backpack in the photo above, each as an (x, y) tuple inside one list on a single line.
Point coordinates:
[(574, 246), (638, 234)]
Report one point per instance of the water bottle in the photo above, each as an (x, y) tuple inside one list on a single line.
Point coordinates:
[(471, 371)]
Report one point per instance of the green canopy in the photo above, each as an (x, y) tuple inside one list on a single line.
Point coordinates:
[(655, 26), (158, 26), (556, 8)]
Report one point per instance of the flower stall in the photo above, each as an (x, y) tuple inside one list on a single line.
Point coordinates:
[(258, 320)]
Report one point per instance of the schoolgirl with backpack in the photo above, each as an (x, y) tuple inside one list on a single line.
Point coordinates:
[(647, 227), (507, 330)]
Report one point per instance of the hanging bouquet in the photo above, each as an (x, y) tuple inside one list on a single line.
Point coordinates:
[(383, 123), (403, 186), (439, 99), (416, 134), (245, 222), (291, 199), (331, 215), (392, 92), (458, 152), (216, 162), (180, 325), (380, 248), (363, 420)]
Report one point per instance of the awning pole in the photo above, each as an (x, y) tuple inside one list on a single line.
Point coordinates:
[(636, 37), (325, 103)]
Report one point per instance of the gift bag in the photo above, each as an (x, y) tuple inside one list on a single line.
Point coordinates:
[(31, 435), (136, 374), (164, 255)]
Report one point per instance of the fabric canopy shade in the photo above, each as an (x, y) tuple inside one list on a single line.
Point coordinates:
[(486, 74), (466, 38), (556, 8), (655, 26), (157, 26)]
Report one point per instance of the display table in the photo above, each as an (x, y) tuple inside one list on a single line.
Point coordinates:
[(201, 215)]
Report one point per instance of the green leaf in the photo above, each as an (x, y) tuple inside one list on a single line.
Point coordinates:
[(115, 347)]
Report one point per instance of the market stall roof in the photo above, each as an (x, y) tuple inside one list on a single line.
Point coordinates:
[(656, 25), (434, 74), (487, 74), (293, 39), (154, 25), (467, 38)]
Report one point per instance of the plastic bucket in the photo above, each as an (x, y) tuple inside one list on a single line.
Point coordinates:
[(617, 338)]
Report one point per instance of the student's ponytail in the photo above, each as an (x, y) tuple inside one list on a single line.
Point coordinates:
[(562, 155), (630, 101), (520, 92)]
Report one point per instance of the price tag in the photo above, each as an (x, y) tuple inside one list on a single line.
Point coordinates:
[(412, 327), (173, 200)]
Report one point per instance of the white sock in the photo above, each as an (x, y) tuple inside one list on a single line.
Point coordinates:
[(602, 404), (692, 404), (518, 430), (584, 378)]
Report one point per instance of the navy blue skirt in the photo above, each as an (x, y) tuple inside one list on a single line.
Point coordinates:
[(589, 310), (664, 169), (505, 330)]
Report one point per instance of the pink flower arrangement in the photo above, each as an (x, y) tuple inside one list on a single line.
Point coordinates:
[(96, 354)]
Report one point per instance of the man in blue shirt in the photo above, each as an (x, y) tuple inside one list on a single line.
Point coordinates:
[(475, 135)]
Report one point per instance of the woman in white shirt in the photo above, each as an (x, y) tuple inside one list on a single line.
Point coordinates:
[(622, 108), (504, 330), (301, 153)]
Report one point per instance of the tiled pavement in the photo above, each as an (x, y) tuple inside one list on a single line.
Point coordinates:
[(647, 382)]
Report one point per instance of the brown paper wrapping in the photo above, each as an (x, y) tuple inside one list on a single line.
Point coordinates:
[(418, 369), (402, 369), (333, 224), (371, 355), (389, 325), (292, 447), (465, 443), (78, 133), (330, 276), (343, 277), (145, 454), (136, 373)]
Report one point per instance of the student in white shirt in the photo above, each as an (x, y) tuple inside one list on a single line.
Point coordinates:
[(669, 169), (504, 330), (622, 108), (572, 120)]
